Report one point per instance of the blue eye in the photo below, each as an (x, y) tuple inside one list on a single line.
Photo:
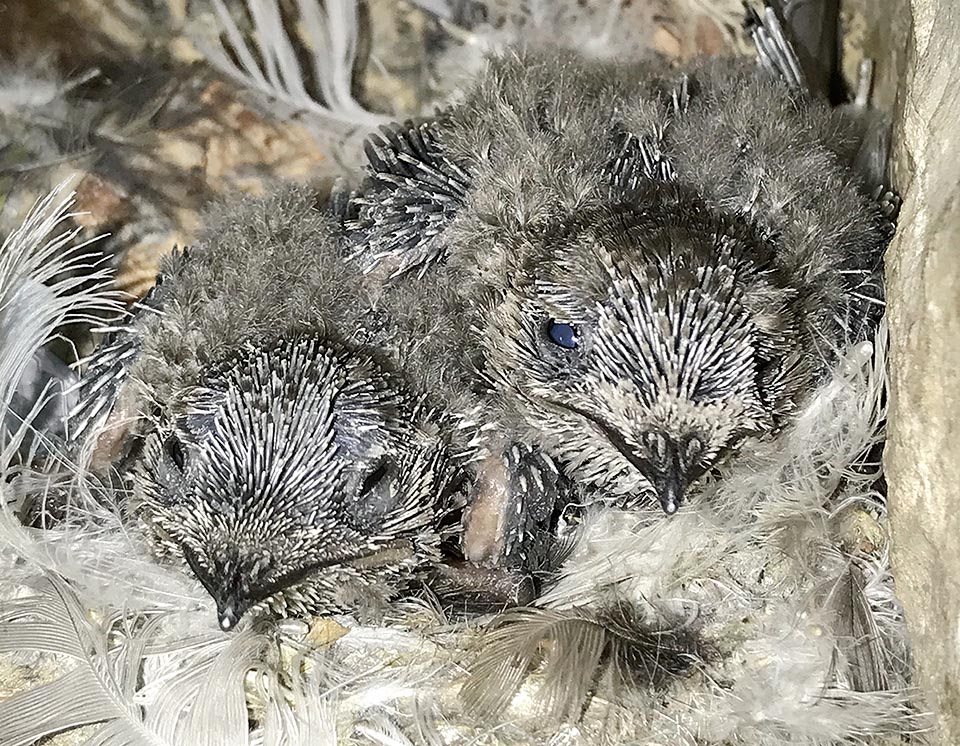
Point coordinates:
[(562, 334)]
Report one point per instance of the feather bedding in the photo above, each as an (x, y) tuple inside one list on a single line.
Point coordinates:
[(764, 613)]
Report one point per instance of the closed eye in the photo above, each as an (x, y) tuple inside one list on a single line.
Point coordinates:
[(379, 473), (174, 450)]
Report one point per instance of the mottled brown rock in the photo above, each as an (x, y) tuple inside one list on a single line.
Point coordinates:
[(205, 141), (84, 33), (708, 37), (141, 261), (100, 203), (923, 453)]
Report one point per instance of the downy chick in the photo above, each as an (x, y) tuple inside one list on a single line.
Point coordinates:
[(657, 264), (276, 447)]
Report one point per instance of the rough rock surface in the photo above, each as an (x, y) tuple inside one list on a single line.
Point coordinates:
[(923, 457)]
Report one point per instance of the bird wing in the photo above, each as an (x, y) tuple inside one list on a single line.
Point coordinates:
[(411, 192), (97, 394)]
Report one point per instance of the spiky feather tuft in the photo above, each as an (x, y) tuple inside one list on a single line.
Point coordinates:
[(412, 190), (274, 69)]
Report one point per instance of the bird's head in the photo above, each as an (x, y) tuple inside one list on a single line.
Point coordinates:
[(643, 345), (286, 465)]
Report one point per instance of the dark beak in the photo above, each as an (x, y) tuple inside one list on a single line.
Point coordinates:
[(228, 617), (231, 605), (672, 483), (670, 491), (230, 609)]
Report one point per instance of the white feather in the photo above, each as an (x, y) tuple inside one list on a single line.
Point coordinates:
[(42, 273), (331, 34), (304, 716), (755, 565)]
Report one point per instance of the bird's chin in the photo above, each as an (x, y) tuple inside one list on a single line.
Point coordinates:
[(320, 589), (229, 616)]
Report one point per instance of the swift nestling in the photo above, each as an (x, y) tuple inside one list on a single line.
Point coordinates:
[(276, 446), (657, 265), (649, 344)]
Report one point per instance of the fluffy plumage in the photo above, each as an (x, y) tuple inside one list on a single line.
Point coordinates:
[(796, 635), (667, 224), (276, 446), (809, 639), (686, 342), (791, 601)]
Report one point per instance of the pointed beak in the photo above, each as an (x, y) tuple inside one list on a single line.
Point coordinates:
[(230, 610), (228, 617), (671, 483), (670, 491)]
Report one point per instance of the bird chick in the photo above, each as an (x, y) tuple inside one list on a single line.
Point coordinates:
[(649, 343), (298, 477), (276, 447), (657, 264)]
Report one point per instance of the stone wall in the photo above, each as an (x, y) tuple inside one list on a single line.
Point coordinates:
[(923, 452)]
